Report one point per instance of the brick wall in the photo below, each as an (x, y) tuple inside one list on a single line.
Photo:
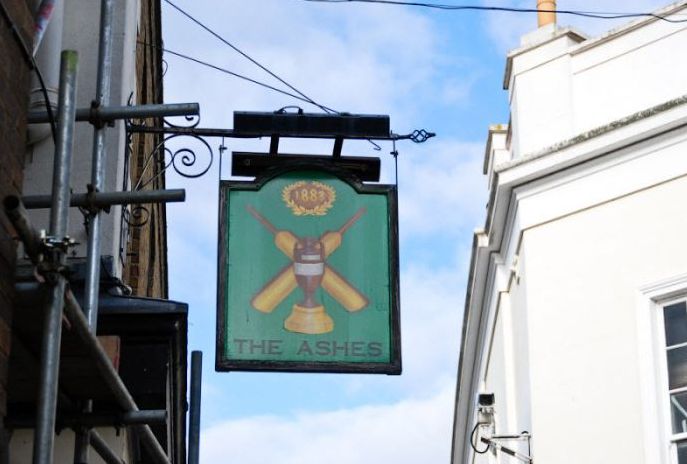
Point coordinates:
[(15, 78), (146, 267)]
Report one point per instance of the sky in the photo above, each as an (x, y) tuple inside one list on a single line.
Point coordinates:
[(436, 70)]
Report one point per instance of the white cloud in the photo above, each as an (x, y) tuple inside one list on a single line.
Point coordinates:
[(352, 59), (410, 431), (442, 189), (367, 59), (432, 301)]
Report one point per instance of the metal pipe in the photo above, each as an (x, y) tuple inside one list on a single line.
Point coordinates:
[(153, 416), (112, 113), (98, 163), (194, 412), (52, 328), (178, 398), (416, 136), (82, 438), (65, 143), (504, 449), (92, 279), (100, 446), (105, 199), (16, 213), (80, 327), (50, 365)]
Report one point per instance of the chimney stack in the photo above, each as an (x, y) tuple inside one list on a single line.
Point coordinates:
[(547, 12)]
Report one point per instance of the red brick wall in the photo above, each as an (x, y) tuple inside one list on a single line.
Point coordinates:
[(15, 78), (146, 267)]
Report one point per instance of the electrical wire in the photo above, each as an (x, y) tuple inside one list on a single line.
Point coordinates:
[(442, 6), (31, 61), (248, 79), (304, 97), (301, 96), (472, 440), (46, 98), (225, 71)]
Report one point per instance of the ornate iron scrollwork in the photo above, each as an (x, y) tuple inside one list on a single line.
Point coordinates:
[(193, 122), (417, 136), (184, 158), (136, 215)]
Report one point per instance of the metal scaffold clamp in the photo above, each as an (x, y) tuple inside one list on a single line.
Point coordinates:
[(62, 244), (49, 263)]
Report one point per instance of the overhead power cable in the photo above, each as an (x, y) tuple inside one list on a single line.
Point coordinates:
[(304, 97), (225, 71), (443, 6), (301, 96)]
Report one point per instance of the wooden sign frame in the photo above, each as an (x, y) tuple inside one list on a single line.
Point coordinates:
[(358, 355)]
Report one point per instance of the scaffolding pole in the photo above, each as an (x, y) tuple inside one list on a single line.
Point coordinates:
[(98, 163), (108, 114), (104, 451), (52, 328), (50, 252), (80, 327), (107, 199), (91, 290)]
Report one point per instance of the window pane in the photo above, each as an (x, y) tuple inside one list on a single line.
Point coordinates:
[(677, 367), (676, 323), (678, 410), (682, 453)]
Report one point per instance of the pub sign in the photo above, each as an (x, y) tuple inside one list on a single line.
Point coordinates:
[(308, 274)]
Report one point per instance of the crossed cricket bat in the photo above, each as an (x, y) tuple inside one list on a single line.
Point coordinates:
[(284, 282)]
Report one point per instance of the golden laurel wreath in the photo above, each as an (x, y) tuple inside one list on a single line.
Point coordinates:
[(308, 198)]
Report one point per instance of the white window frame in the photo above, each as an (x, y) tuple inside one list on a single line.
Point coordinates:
[(652, 351)]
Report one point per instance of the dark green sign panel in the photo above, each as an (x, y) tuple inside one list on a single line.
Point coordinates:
[(308, 275)]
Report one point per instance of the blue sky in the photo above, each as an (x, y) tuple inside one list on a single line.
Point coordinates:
[(437, 70)]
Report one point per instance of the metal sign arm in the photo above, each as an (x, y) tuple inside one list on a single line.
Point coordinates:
[(499, 447)]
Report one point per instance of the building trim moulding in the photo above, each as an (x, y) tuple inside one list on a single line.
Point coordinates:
[(677, 104), (517, 173), (629, 27), (585, 43), (478, 319), (508, 224), (494, 129), (569, 32)]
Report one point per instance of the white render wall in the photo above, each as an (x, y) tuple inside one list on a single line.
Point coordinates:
[(81, 32), (561, 88), (583, 321)]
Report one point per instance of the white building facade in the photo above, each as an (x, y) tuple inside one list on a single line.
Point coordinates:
[(576, 313)]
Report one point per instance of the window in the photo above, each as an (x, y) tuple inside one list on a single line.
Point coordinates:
[(675, 330)]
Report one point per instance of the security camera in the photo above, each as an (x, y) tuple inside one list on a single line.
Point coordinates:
[(486, 399), (485, 408)]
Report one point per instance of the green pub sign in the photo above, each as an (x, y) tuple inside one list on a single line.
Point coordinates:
[(308, 274)]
